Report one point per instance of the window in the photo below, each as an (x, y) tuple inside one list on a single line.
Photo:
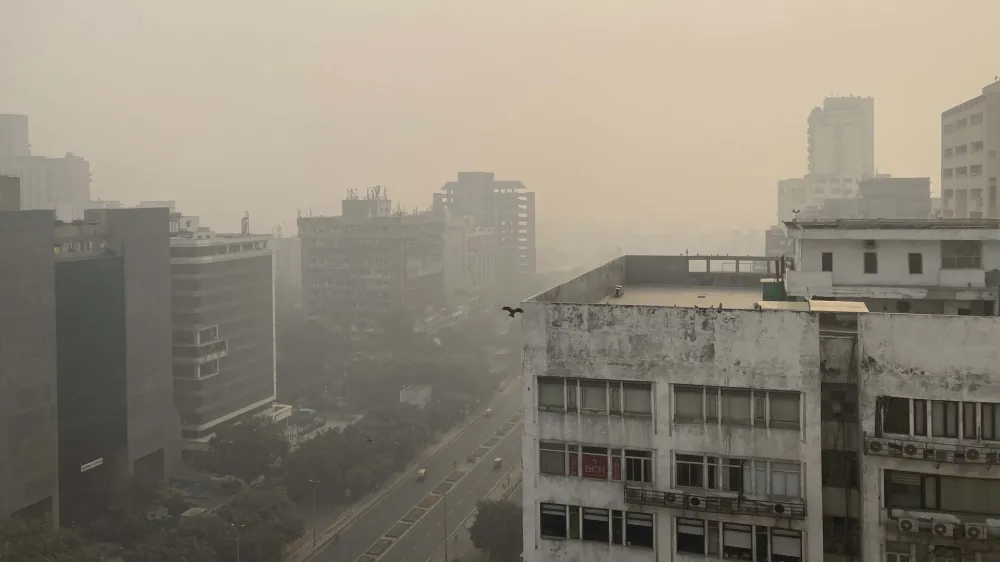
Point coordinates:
[(977, 146), (572, 389), (961, 123), (736, 406), (552, 458), (638, 398), (574, 522), (784, 409), (969, 420), (638, 466), (737, 541), (945, 129), (944, 418), (617, 528), (975, 170), (827, 261), (551, 394), (961, 171), (916, 263), (596, 525), (688, 402), (896, 416), (639, 530), (786, 545), (991, 422), (962, 149), (948, 152), (690, 536), (553, 521), (595, 462), (961, 254), (976, 118), (871, 263), (594, 395), (910, 490), (920, 417), (785, 480), (690, 471), (947, 173)]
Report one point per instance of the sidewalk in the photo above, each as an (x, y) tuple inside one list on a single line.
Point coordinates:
[(333, 522), (461, 548)]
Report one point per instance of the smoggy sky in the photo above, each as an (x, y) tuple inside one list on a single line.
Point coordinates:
[(678, 111)]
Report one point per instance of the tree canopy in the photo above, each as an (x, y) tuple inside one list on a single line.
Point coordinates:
[(36, 540), (247, 450), (497, 530)]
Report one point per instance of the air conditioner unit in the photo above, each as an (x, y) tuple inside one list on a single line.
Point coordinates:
[(619, 291), (974, 532), (870, 244), (973, 455), (943, 529), (875, 446), (907, 525), (910, 450)]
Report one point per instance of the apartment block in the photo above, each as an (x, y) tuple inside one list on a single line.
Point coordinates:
[(970, 165), (371, 262), (28, 418), (223, 325), (929, 266), (469, 262), (504, 205)]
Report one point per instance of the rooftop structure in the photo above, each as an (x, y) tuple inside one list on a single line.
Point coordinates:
[(658, 431)]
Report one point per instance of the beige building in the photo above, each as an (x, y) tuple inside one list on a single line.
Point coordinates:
[(970, 165)]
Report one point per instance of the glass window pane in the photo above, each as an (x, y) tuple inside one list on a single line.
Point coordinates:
[(688, 402), (551, 393)]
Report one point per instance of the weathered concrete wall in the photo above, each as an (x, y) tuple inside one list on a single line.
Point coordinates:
[(772, 350), (589, 287), (925, 357)]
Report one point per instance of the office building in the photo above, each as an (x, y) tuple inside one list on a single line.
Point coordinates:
[(288, 268), (929, 266), (28, 417), (116, 414), (223, 326), (504, 205), (60, 184), (841, 139), (970, 141), (371, 263), (469, 262), (886, 197)]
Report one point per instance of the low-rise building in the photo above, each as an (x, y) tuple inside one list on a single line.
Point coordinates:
[(929, 266)]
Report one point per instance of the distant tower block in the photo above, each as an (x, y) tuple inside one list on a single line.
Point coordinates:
[(14, 135)]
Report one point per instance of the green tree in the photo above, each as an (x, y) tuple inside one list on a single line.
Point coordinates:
[(246, 450), (266, 522), (173, 545), (497, 530), (37, 541)]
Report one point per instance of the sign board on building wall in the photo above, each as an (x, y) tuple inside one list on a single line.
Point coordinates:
[(92, 464)]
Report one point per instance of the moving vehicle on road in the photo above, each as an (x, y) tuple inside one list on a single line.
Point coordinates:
[(497, 462), (421, 475)]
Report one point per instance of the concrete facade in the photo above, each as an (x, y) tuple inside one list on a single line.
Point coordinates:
[(894, 198), (10, 193), (28, 416), (223, 325), (469, 262), (841, 138), (921, 266), (650, 415), (970, 141)]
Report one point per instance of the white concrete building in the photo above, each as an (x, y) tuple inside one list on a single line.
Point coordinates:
[(970, 165), (673, 420), (932, 266)]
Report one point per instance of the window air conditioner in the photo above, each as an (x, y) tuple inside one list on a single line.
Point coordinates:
[(943, 529), (974, 532), (907, 525)]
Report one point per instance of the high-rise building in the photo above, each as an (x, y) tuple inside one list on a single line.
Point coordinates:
[(504, 205), (28, 431), (970, 141), (10, 193), (288, 268), (60, 184), (841, 138), (685, 411), (115, 387), (469, 262), (223, 325), (370, 263)]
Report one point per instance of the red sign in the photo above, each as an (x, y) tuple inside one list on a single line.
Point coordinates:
[(595, 466), (574, 469)]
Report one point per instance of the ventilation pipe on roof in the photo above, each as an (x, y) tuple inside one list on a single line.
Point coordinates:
[(619, 291)]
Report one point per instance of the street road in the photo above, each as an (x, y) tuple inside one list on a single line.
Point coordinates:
[(371, 525), (425, 538)]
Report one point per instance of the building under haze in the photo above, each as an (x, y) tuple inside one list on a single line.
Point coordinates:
[(469, 262), (59, 184), (115, 385), (970, 166), (678, 410), (29, 475), (504, 205), (288, 268), (10, 193), (223, 325), (371, 263)]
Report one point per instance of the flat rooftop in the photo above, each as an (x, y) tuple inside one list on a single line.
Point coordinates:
[(686, 297), (893, 224)]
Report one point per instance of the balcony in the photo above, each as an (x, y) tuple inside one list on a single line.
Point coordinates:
[(200, 354), (952, 284), (907, 448), (789, 509), (961, 526)]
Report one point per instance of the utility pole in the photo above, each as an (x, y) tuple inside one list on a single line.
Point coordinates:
[(445, 527), (237, 527), (314, 482)]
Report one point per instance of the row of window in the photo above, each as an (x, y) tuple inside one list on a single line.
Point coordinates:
[(595, 396), (942, 418), (598, 463), (914, 490), (609, 526), (963, 149), (746, 476), (955, 254), (974, 119), (740, 542), (776, 409), (962, 171)]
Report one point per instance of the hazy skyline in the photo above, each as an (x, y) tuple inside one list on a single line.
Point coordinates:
[(679, 110)]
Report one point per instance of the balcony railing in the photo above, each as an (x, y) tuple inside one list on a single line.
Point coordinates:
[(907, 448), (790, 509)]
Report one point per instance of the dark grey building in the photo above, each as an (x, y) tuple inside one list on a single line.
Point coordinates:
[(28, 407), (504, 205), (10, 193), (223, 326), (115, 385)]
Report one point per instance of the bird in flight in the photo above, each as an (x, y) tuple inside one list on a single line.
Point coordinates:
[(512, 311), (368, 437)]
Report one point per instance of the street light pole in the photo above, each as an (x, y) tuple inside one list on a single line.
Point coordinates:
[(314, 482), (237, 527), (445, 527)]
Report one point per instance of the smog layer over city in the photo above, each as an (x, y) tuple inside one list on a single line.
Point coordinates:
[(456, 281)]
